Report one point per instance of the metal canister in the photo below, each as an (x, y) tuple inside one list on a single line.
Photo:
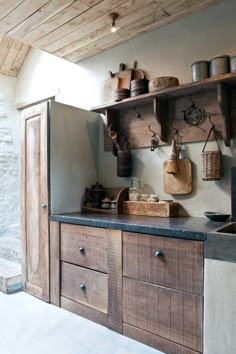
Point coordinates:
[(200, 70), (219, 65), (233, 64)]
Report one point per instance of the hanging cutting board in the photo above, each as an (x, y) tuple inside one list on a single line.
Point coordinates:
[(108, 88), (180, 182), (125, 77)]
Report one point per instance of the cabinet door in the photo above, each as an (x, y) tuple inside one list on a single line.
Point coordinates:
[(34, 201)]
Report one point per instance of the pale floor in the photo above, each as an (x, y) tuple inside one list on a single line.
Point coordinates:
[(31, 326)]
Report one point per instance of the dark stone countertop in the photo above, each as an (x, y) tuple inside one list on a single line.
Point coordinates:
[(193, 228)]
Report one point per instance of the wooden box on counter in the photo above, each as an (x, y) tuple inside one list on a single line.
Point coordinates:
[(160, 209)]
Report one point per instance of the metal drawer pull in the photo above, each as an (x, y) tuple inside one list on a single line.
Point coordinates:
[(44, 205), (81, 249), (82, 287), (158, 253)]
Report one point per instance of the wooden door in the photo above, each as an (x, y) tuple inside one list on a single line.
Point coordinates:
[(34, 201)]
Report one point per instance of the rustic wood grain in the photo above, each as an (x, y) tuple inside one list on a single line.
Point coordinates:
[(154, 341), (79, 29), (180, 182), (181, 266), (95, 295), (84, 311), (94, 242), (55, 263), (114, 240), (164, 210), (171, 314), (34, 192)]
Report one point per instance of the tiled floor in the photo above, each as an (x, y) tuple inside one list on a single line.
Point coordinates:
[(29, 325)]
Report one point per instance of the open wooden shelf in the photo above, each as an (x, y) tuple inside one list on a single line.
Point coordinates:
[(159, 101)]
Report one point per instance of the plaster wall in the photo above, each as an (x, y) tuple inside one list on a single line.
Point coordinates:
[(9, 159), (169, 50)]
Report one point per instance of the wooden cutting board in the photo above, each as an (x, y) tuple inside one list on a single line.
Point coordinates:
[(181, 182), (107, 89)]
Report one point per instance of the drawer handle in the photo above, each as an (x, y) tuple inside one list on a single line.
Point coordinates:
[(82, 287), (81, 249), (158, 253)]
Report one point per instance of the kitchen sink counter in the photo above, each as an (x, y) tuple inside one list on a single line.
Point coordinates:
[(193, 228)]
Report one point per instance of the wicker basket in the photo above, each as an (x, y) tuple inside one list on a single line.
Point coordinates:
[(211, 161)]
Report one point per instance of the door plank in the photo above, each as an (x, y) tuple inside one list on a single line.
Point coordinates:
[(34, 192), (20, 13), (75, 22), (47, 11), (171, 314), (101, 26)]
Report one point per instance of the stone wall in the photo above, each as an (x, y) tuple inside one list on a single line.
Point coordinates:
[(9, 159)]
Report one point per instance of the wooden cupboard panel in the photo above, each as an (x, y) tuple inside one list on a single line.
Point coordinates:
[(180, 267), (34, 201), (171, 314), (156, 342), (84, 311), (95, 293), (93, 241), (55, 263)]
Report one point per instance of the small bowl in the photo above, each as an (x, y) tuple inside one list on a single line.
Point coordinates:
[(214, 216)]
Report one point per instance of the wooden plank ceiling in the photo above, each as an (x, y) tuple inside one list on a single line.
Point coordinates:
[(75, 30)]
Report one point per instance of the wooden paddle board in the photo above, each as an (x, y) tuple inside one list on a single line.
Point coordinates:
[(108, 88), (180, 182)]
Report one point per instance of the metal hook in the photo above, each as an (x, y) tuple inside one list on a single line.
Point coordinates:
[(212, 124), (138, 114), (154, 140), (175, 129)]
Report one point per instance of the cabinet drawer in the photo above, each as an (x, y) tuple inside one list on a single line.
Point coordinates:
[(85, 286), (85, 246), (171, 314), (171, 262)]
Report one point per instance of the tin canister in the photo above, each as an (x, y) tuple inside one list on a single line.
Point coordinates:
[(200, 70), (219, 65), (233, 64)]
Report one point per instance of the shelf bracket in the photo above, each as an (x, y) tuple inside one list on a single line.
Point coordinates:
[(223, 98), (160, 110)]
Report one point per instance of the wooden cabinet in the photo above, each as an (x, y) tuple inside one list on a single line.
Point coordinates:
[(162, 291), (147, 287), (87, 272), (51, 152), (34, 201)]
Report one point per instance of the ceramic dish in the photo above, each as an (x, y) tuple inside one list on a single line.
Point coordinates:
[(214, 216)]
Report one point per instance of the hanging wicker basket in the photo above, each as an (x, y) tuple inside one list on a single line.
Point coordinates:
[(211, 161)]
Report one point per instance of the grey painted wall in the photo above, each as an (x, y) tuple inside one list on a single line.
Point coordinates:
[(9, 159), (169, 50)]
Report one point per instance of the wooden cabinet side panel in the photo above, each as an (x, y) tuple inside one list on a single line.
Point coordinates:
[(114, 240), (156, 342), (180, 268), (55, 263), (34, 193), (171, 314)]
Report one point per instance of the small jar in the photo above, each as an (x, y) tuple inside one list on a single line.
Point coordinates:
[(233, 64), (135, 190), (106, 202), (200, 70), (144, 197), (219, 65)]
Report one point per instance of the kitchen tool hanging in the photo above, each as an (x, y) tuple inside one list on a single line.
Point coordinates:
[(177, 180), (193, 115), (211, 160)]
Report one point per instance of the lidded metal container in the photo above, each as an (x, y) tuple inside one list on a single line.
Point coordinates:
[(233, 64), (219, 65), (200, 70)]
